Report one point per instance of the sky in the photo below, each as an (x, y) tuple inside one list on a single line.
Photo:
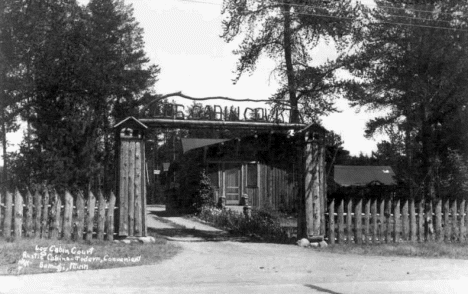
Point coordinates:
[(183, 38)]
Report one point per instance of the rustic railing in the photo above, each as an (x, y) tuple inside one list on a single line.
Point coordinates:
[(384, 221), (52, 216)]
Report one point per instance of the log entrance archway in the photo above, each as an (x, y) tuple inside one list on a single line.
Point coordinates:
[(131, 173)]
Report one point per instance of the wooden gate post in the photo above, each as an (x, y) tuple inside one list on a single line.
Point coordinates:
[(314, 182), (131, 187)]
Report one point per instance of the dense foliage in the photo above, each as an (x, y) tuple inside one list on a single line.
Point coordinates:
[(76, 71), (418, 71), (263, 224)]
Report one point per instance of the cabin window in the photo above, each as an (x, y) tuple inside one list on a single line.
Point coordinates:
[(252, 174)]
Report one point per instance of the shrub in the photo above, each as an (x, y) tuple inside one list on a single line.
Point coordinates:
[(263, 224), (203, 196)]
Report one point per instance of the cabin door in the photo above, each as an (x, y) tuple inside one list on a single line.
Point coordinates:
[(232, 173)]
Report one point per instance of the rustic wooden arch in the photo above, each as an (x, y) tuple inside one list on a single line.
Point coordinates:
[(131, 136)]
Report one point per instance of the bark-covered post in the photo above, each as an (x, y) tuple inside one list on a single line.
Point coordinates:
[(131, 187), (314, 183), (18, 218), (341, 237), (331, 222), (8, 215)]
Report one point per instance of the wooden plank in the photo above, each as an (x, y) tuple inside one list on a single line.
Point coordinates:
[(55, 215), (349, 221), (367, 221), (382, 218), (447, 220), (45, 215), (28, 226), (374, 221), (90, 216), (18, 221), (138, 190), (405, 221), (131, 188), (388, 221), (80, 217), (331, 222), (123, 189), (396, 222), (421, 233), (358, 222), (341, 238), (412, 215), (438, 221), (455, 231), (2, 191), (462, 221), (143, 195), (38, 213), (67, 216), (8, 215), (466, 221), (430, 221), (110, 217), (101, 221)]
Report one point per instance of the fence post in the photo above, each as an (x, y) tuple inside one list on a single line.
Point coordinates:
[(404, 221), (2, 194), (67, 216), (446, 220), (462, 221), (367, 221), (438, 221), (388, 216), (101, 217), (397, 222), (341, 222), (382, 230), (374, 221), (8, 215), (421, 206), (38, 214), (349, 221), (110, 217), (90, 216), (331, 222), (358, 222), (413, 229), (45, 214), (455, 230), (55, 212), (80, 215), (18, 214), (28, 228)]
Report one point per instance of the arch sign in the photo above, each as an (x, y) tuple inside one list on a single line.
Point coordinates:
[(217, 112)]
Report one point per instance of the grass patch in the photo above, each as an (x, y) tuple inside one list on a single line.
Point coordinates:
[(427, 250), (24, 256)]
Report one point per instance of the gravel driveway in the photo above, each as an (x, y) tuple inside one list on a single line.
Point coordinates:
[(243, 267)]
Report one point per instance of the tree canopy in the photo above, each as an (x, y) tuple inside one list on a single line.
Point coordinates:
[(287, 32), (86, 68), (413, 61)]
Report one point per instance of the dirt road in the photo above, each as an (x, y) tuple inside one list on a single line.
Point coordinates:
[(237, 267)]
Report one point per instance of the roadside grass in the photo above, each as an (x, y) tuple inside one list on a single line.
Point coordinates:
[(425, 250), (17, 256)]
